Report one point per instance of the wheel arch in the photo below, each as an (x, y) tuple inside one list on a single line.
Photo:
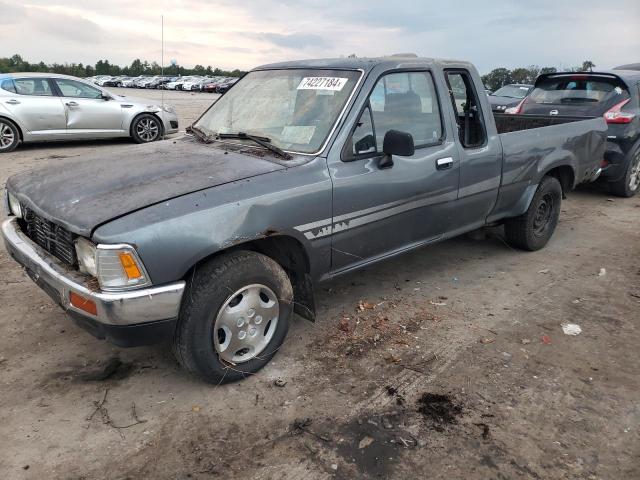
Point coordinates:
[(565, 174), (290, 254)]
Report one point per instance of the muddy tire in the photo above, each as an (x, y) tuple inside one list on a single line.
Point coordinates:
[(533, 229), (146, 128), (9, 136), (234, 317), (629, 185)]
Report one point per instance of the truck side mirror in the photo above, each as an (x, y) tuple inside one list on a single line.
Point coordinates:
[(398, 143), (395, 143)]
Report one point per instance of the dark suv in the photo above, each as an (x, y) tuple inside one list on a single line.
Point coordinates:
[(614, 95)]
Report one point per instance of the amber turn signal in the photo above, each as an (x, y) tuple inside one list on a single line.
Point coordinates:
[(130, 266), (83, 304)]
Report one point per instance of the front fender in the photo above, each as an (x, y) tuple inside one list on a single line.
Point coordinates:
[(173, 236)]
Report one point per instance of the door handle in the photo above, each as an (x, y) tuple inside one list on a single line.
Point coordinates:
[(13, 102), (72, 104), (444, 163)]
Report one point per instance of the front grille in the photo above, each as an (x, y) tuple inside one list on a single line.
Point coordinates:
[(53, 238)]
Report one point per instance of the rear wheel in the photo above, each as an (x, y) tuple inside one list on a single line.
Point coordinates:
[(146, 128), (629, 185), (533, 229), (9, 136), (234, 318)]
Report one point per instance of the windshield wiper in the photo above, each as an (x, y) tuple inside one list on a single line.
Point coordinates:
[(262, 141), (199, 134)]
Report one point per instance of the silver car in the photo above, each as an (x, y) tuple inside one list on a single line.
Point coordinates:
[(38, 107)]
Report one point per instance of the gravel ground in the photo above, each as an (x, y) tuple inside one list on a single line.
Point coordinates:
[(448, 362)]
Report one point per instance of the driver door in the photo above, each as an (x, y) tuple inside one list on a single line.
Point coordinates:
[(88, 113), (380, 210)]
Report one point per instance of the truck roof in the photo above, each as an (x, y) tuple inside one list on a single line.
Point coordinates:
[(367, 64)]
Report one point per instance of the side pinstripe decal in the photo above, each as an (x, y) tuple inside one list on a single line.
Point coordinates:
[(322, 228)]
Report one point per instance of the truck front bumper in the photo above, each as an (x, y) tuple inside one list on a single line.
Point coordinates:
[(127, 318)]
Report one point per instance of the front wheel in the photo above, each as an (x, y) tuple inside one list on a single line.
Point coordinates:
[(234, 318), (146, 128), (629, 185), (9, 136), (533, 229)]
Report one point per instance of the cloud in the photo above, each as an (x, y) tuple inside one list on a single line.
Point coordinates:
[(295, 40), (11, 13), (69, 27), (232, 34)]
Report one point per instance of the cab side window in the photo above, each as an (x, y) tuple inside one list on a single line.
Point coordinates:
[(407, 102), (33, 86), (466, 106), (72, 88), (404, 101)]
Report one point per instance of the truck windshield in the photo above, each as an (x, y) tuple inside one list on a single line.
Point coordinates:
[(295, 109)]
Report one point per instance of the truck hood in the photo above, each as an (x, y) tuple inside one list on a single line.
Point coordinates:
[(81, 195)]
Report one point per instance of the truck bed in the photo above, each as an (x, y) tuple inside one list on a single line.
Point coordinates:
[(532, 144), (506, 123)]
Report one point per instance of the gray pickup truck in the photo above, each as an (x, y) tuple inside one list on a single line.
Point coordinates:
[(301, 172)]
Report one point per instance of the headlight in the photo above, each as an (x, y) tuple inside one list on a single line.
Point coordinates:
[(14, 205), (86, 252), (120, 267), (116, 267), (168, 108)]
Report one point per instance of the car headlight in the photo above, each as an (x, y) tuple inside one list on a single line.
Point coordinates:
[(117, 267), (14, 205), (86, 252), (168, 108)]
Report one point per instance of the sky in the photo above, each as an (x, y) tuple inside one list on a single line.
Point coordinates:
[(243, 34)]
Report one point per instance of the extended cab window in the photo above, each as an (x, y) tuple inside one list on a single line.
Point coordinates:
[(404, 101), (72, 88), (466, 106), (33, 86)]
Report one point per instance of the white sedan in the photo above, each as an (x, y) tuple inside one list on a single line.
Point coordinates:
[(37, 107)]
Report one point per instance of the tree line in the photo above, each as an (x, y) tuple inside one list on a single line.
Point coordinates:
[(103, 67), (500, 77), (493, 80)]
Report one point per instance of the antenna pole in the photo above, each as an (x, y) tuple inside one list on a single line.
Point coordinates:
[(162, 63)]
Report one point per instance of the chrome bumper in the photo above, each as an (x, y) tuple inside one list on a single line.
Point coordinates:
[(113, 308)]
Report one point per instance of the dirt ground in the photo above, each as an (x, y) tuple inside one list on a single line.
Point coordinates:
[(446, 363)]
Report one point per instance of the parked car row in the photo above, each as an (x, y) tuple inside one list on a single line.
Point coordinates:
[(191, 83), (614, 95)]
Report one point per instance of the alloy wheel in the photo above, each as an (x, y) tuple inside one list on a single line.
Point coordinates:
[(148, 129), (7, 136)]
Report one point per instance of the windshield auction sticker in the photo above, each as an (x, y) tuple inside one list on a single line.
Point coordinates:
[(323, 83)]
